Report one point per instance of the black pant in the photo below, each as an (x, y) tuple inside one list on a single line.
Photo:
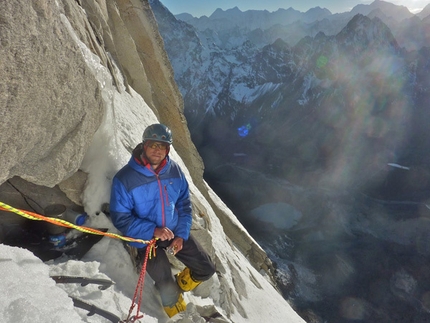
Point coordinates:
[(192, 255)]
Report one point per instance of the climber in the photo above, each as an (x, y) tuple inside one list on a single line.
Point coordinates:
[(150, 199)]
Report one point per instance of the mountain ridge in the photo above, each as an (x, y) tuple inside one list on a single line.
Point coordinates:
[(289, 21)]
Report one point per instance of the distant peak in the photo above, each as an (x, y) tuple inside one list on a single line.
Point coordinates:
[(318, 9), (234, 9), (219, 12)]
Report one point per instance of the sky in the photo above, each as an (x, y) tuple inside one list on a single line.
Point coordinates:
[(206, 7), (29, 295)]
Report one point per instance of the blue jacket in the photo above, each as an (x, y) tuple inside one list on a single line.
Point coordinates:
[(142, 200)]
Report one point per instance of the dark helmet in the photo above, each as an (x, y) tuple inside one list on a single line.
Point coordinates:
[(158, 132)]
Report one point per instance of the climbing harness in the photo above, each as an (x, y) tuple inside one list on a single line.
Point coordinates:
[(150, 251)]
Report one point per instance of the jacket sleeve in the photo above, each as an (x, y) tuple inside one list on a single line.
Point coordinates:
[(121, 212), (183, 206)]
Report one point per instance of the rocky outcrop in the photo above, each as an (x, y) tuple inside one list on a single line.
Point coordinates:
[(44, 122), (51, 104)]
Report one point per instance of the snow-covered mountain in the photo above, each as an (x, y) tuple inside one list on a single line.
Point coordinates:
[(313, 115), (263, 27), (285, 92)]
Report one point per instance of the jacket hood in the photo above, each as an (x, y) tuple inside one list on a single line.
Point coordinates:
[(137, 151)]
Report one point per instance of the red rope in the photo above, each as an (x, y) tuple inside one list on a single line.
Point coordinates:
[(138, 293)]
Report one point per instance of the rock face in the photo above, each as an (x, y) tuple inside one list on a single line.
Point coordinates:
[(43, 70), (44, 122), (51, 105)]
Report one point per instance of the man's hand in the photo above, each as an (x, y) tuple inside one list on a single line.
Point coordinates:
[(176, 245), (163, 234)]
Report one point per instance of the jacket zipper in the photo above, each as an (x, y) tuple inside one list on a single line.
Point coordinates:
[(166, 195), (160, 188)]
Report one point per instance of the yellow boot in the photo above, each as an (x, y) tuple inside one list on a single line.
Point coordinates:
[(185, 281), (180, 306)]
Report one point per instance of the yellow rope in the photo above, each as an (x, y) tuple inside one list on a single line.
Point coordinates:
[(63, 223)]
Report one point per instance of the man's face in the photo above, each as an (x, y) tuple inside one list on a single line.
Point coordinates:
[(156, 151)]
